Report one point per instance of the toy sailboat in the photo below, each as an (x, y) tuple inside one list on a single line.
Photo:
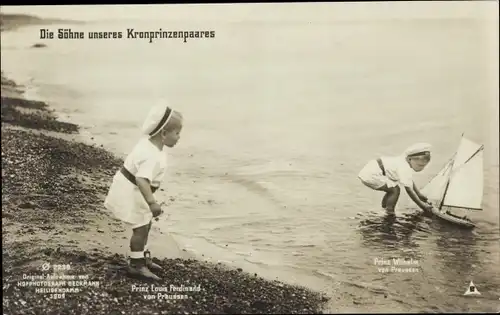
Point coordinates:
[(459, 184)]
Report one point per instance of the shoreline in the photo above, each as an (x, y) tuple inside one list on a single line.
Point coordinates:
[(52, 191), (66, 174), (11, 22)]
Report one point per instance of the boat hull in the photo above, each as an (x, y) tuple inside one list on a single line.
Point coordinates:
[(452, 219)]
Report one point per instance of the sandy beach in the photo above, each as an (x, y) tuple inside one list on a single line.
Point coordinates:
[(54, 223)]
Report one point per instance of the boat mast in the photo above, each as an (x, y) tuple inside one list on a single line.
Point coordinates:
[(447, 186), (475, 153), (448, 180), (446, 166)]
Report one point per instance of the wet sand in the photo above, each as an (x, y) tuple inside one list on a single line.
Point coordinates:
[(54, 223)]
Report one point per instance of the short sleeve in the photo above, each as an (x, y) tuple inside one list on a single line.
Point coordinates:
[(147, 169), (406, 176)]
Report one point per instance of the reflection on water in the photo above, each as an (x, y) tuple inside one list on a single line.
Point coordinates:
[(456, 252), (455, 246), (449, 256), (392, 231)]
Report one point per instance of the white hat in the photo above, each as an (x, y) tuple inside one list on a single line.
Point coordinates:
[(157, 119), (418, 149)]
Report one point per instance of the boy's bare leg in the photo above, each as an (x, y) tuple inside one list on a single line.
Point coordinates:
[(138, 239), (147, 234), (384, 200), (147, 254), (391, 197), (137, 259)]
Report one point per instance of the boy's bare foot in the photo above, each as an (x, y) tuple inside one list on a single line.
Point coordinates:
[(137, 267), (390, 211), (144, 272), (149, 262)]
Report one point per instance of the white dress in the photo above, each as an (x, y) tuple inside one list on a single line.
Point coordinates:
[(397, 171), (124, 199)]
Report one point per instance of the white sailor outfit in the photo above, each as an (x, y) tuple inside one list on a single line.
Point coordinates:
[(124, 198), (392, 170)]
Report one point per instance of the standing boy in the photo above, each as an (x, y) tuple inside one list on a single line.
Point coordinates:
[(131, 197)]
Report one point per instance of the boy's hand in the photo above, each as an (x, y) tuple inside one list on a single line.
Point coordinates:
[(424, 199), (155, 209), (428, 207), (424, 205)]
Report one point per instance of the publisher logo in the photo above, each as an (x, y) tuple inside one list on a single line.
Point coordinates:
[(472, 290)]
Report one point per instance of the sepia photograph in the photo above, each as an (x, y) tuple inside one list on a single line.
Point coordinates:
[(250, 158)]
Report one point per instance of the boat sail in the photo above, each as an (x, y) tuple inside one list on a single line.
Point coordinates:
[(459, 184)]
